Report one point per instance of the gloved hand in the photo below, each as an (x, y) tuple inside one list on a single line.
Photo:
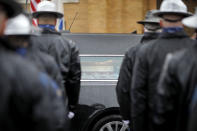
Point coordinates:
[(126, 122), (71, 115)]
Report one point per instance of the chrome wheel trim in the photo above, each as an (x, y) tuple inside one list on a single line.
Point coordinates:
[(114, 126)]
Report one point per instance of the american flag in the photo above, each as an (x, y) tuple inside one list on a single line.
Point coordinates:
[(34, 4), (60, 22)]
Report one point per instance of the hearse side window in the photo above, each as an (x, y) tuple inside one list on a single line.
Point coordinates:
[(100, 67)]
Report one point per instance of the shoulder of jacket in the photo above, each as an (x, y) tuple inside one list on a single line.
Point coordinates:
[(147, 47), (132, 50), (69, 41), (180, 58)]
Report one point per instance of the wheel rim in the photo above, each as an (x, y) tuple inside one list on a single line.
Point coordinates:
[(114, 126)]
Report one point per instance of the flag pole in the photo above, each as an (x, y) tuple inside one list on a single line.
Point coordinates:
[(26, 5)]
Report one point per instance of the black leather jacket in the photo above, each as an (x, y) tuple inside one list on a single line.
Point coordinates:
[(125, 76), (147, 69), (66, 54), (175, 91)]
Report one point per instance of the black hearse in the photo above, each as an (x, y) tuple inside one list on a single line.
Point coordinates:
[(101, 57)]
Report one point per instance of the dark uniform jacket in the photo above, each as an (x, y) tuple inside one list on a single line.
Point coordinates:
[(66, 54), (126, 71), (28, 98), (176, 91), (148, 65), (44, 62)]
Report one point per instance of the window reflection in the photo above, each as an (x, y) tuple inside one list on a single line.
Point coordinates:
[(100, 67)]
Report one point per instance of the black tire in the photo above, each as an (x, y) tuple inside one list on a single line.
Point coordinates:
[(109, 123)]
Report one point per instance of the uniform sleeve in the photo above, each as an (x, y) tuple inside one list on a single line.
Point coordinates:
[(123, 87), (139, 91), (167, 97), (74, 76)]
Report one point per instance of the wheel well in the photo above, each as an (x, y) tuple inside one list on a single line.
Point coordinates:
[(99, 114)]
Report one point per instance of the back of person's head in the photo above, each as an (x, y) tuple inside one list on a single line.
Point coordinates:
[(47, 19), (152, 28), (18, 31), (47, 13), (172, 12), (151, 22), (171, 20)]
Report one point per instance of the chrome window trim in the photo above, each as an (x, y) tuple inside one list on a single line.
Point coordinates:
[(99, 55), (99, 80)]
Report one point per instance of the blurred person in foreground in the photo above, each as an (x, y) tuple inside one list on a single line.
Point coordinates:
[(149, 62), (176, 90), (18, 32), (151, 32), (25, 92)]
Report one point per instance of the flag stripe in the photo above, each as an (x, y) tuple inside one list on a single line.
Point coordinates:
[(61, 24), (34, 22), (32, 7), (38, 1), (34, 4)]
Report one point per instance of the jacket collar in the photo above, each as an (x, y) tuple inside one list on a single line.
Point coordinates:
[(49, 31), (149, 36), (52, 27), (177, 34)]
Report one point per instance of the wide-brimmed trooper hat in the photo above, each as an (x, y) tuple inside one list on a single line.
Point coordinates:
[(191, 21), (19, 25), (176, 7), (150, 18), (11, 7), (47, 7)]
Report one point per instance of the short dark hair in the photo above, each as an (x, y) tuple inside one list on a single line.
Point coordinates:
[(47, 15)]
